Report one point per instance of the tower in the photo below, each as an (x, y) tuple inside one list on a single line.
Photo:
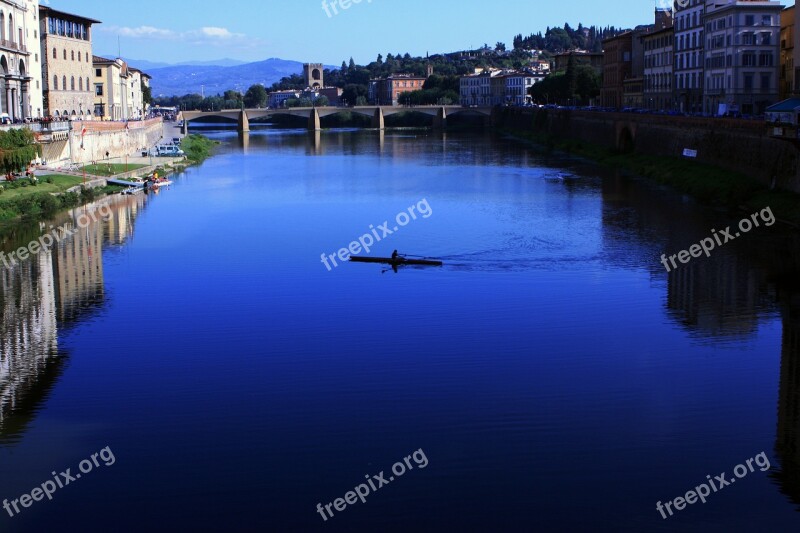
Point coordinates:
[(312, 72)]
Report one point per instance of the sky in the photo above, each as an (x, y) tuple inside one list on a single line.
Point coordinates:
[(173, 31)]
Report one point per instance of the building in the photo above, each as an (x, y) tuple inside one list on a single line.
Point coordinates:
[(741, 56), (616, 69), (518, 85), (476, 89), (688, 45), (658, 73), (21, 80), (387, 91), (633, 85), (277, 99), (786, 84), (333, 94), (66, 48), (580, 57), (314, 75), (118, 93)]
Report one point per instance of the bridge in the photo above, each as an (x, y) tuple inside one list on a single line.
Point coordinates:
[(314, 114)]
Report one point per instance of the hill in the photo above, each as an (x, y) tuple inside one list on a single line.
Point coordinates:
[(215, 79)]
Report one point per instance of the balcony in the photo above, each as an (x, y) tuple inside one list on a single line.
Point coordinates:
[(11, 45)]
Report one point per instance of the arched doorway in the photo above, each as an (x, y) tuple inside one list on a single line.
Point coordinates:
[(4, 93)]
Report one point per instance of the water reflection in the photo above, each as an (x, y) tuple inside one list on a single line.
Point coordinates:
[(49, 291)]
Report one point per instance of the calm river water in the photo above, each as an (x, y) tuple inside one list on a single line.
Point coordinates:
[(550, 377)]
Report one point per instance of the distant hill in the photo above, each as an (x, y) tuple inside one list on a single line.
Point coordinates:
[(178, 80)]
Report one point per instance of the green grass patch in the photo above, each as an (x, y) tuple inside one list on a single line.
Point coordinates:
[(197, 147), (110, 169), (46, 184)]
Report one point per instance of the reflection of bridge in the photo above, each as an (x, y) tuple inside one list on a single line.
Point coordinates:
[(313, 114)]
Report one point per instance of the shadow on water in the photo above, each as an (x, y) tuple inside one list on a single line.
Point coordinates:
[(44, 296), (722, 297)]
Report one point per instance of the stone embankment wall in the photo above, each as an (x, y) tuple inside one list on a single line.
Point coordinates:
[(100, 138), (738, 145)]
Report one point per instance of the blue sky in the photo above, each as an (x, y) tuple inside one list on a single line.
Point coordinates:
[(186, 30)]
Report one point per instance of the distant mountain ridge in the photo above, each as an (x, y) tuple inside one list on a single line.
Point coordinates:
[(211, 77)]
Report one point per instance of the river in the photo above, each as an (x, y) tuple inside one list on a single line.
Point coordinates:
[(550, 376)]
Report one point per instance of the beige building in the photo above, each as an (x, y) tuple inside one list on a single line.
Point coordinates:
[(118, 90), (20, 82), (66, 48)]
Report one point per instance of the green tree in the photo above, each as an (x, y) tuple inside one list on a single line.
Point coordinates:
[(147, 94), (322, 101), (352, 92), (571, 78), (17, 149), (256, 96), (233, 99)]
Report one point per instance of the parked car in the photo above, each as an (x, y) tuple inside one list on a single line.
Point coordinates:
[(170, 151), (5, 119)]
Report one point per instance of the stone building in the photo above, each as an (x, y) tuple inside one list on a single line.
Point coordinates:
[(741, 56), (21, 79), (118, 90), (688, 45), (787, 85), (67, 71), (616, 69), (658, 74)]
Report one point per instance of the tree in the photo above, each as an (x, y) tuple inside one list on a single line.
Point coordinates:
[(352, 65), (571, 77), (256, 96), (322, 101), (233, 99), (500, 47), (17, 149), (352, 91), (147, 94)]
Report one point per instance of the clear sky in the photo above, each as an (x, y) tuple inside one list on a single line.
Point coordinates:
[(185, 30)]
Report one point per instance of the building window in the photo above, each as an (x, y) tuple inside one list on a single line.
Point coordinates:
[(98, 89), (72, 83), (98, 73), (64, 83), (87, 84), (55, 54), (72, 54), (55, 83), (65, 53)]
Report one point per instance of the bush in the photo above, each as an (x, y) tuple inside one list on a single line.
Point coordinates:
[(24, 183), (87, 195)]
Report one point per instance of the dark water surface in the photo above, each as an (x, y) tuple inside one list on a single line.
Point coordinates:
[(551, 376)]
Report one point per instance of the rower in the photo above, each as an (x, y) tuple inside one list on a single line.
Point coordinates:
[(394, 255)]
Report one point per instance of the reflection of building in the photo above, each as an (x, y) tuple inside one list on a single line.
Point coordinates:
[(66, 48), (787, 445), (48, 291)]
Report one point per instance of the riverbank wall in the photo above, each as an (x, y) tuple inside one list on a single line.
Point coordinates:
[(742, 146), (96, 141)]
